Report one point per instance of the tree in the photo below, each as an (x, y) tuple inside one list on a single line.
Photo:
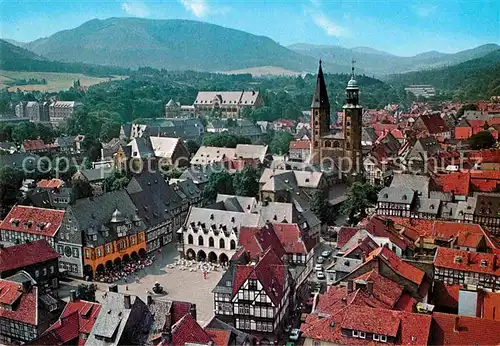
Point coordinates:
[(360, 196), (116, 181), (11, 180), (218, 182), (224, 140), (246, 182), (192, 147), (87, 292), (280, 142), (322, 208), (482, 140), (467, 107), (110, 129)]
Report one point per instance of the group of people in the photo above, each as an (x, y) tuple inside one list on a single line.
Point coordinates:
[(122, 271)]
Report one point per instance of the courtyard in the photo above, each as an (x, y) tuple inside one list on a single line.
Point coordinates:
[(182, 285)]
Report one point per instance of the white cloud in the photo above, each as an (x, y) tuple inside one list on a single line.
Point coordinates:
[(199, 8), (424, 10), (331, 28), (136, 9)]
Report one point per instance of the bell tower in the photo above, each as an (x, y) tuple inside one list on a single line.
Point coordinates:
[(320, 116), (352, 125)]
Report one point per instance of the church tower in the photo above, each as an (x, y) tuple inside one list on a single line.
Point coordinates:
[(320, 117), (352, 125)]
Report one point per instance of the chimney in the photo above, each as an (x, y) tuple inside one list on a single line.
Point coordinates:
[(113, 288), (369, 286), (350, 285), (192, 311), (72, 295), (168, 322), (150, 299), (126, 301), (456, 327)]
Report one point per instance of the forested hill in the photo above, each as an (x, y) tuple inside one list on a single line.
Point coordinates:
[(173, 45), (14, 58), (473, 79)]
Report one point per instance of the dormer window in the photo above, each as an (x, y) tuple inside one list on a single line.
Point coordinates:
[(386, 195), (405, 197)]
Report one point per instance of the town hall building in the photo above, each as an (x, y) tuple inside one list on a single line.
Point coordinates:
[(343, 146)]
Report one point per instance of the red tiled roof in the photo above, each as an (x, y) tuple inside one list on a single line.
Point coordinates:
[(458, 183), (487, 155), (434, 123), (476, 123), (23, 255), (256, 240), (408, 328), (464, 234), (34, 144), (344, 234), (493, 121), (464, 330), (52, 183), (290, 236), (366, 246), (300, 144), (269, 271), (220, 337), (404, 269), (467, 261), (187, 330), (488, 305), (378, 226), (179, 309), (44, 222), (445, 295), (25, 310)]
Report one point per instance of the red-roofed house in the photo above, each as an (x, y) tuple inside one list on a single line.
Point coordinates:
[(37, 146), (50, 184), (36, 258), (388, 264), (255, 297), (25, 312), (74, 325), (457, 183), (445, 297), (450, 330), (431, 124), (362, 325), (460, 267), (299, 150), (24, 223), (188, 331), (488, 305)]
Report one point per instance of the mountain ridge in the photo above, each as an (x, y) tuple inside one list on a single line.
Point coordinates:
[(173, 44)]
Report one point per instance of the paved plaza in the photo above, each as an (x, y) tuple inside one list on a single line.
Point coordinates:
[(179, 284)]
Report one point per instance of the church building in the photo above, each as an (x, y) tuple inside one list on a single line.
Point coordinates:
[(343, 146)]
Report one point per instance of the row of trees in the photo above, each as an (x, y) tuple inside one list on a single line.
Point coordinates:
[(244, 183)]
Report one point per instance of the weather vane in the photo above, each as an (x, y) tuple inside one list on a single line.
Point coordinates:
[(352, 66)]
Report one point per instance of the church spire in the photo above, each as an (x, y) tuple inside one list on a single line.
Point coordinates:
[(320, 97)]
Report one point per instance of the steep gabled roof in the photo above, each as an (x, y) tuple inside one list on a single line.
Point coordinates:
[(320, 97), (23, 255)]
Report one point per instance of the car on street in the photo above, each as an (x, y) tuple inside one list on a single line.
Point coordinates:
[(295, 334), (320, 259), (318, 268), (320, 275), (326, 253)]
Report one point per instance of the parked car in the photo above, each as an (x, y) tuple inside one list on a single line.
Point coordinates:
[(326, 253), (320, 259), (320, 275), (318, 268), (295, 334)]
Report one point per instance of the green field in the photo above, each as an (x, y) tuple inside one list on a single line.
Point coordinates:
[(55, 81)]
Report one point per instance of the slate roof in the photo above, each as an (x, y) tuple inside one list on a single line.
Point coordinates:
[(94, 214), (434, 123), (23, 255), (418, 183), (320, 97), (114, 318), (200, 176), (428, 205), (403, 195), (97, 174), (18, 160), (40, 221), (186, 189), (164, 147)]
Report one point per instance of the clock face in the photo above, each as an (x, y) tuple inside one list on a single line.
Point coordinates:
[(67, 251)]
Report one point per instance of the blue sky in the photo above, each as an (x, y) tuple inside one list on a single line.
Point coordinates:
[(403, 27)]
